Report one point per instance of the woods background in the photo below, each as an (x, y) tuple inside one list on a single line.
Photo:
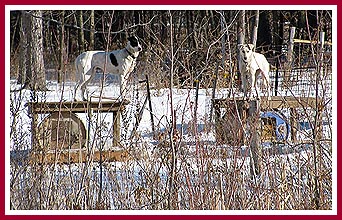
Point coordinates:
[(199, 39)]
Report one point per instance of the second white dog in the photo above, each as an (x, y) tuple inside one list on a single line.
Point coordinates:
[(251, 64)]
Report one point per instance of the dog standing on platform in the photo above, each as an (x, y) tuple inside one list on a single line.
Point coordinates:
[(251, 64), (120, 62)]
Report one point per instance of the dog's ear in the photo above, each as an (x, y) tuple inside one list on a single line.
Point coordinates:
[(133, 40), (250, 46)]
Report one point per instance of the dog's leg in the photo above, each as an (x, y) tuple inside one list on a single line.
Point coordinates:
[(268, 86), (83, 88), (254, 84), (83, 85), (249, 85), (77, 87), (76, 91), (266, 82)]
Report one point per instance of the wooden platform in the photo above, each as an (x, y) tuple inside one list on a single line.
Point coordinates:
[(58, 129), (247, 109)]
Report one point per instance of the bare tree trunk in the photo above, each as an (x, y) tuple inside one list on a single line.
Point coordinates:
[(171, 198), (92, 31), (241, 27), (61, 49), (241, 33), (255, 29), (38, 67), (223, 40), (32, 73), (23, 47), (80, 31)]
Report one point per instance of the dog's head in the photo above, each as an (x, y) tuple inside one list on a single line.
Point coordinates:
[(246, 51), (133, 44)]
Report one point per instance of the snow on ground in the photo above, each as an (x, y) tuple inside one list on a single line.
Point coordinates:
[(183, 103)]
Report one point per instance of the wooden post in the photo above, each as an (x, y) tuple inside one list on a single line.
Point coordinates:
[(254, 130), (34, 141), (276, 82), (217, 110), (213, 94), (291, 45), (289, 57), (243, 108)]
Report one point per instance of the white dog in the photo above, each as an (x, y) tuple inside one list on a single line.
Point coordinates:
[(250, 65), (120, 62)]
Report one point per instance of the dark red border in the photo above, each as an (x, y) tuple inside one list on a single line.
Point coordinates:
[(165, 2), (171, 2)]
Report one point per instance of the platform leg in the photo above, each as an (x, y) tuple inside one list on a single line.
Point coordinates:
[(254, 130), (218, 123), (116, 128)]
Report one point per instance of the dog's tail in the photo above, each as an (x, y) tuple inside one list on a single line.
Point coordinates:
[(76, 68), (79, 69)]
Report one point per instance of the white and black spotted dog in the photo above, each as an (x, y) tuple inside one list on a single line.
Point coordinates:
[(251, 64), (120, 62)]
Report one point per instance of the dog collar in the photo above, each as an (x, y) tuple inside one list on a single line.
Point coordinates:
[(130, 54)]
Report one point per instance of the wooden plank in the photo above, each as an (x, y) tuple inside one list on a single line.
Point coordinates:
[(77, 106), (310, 42), (276, 102), (288, 102), (78, 156)]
